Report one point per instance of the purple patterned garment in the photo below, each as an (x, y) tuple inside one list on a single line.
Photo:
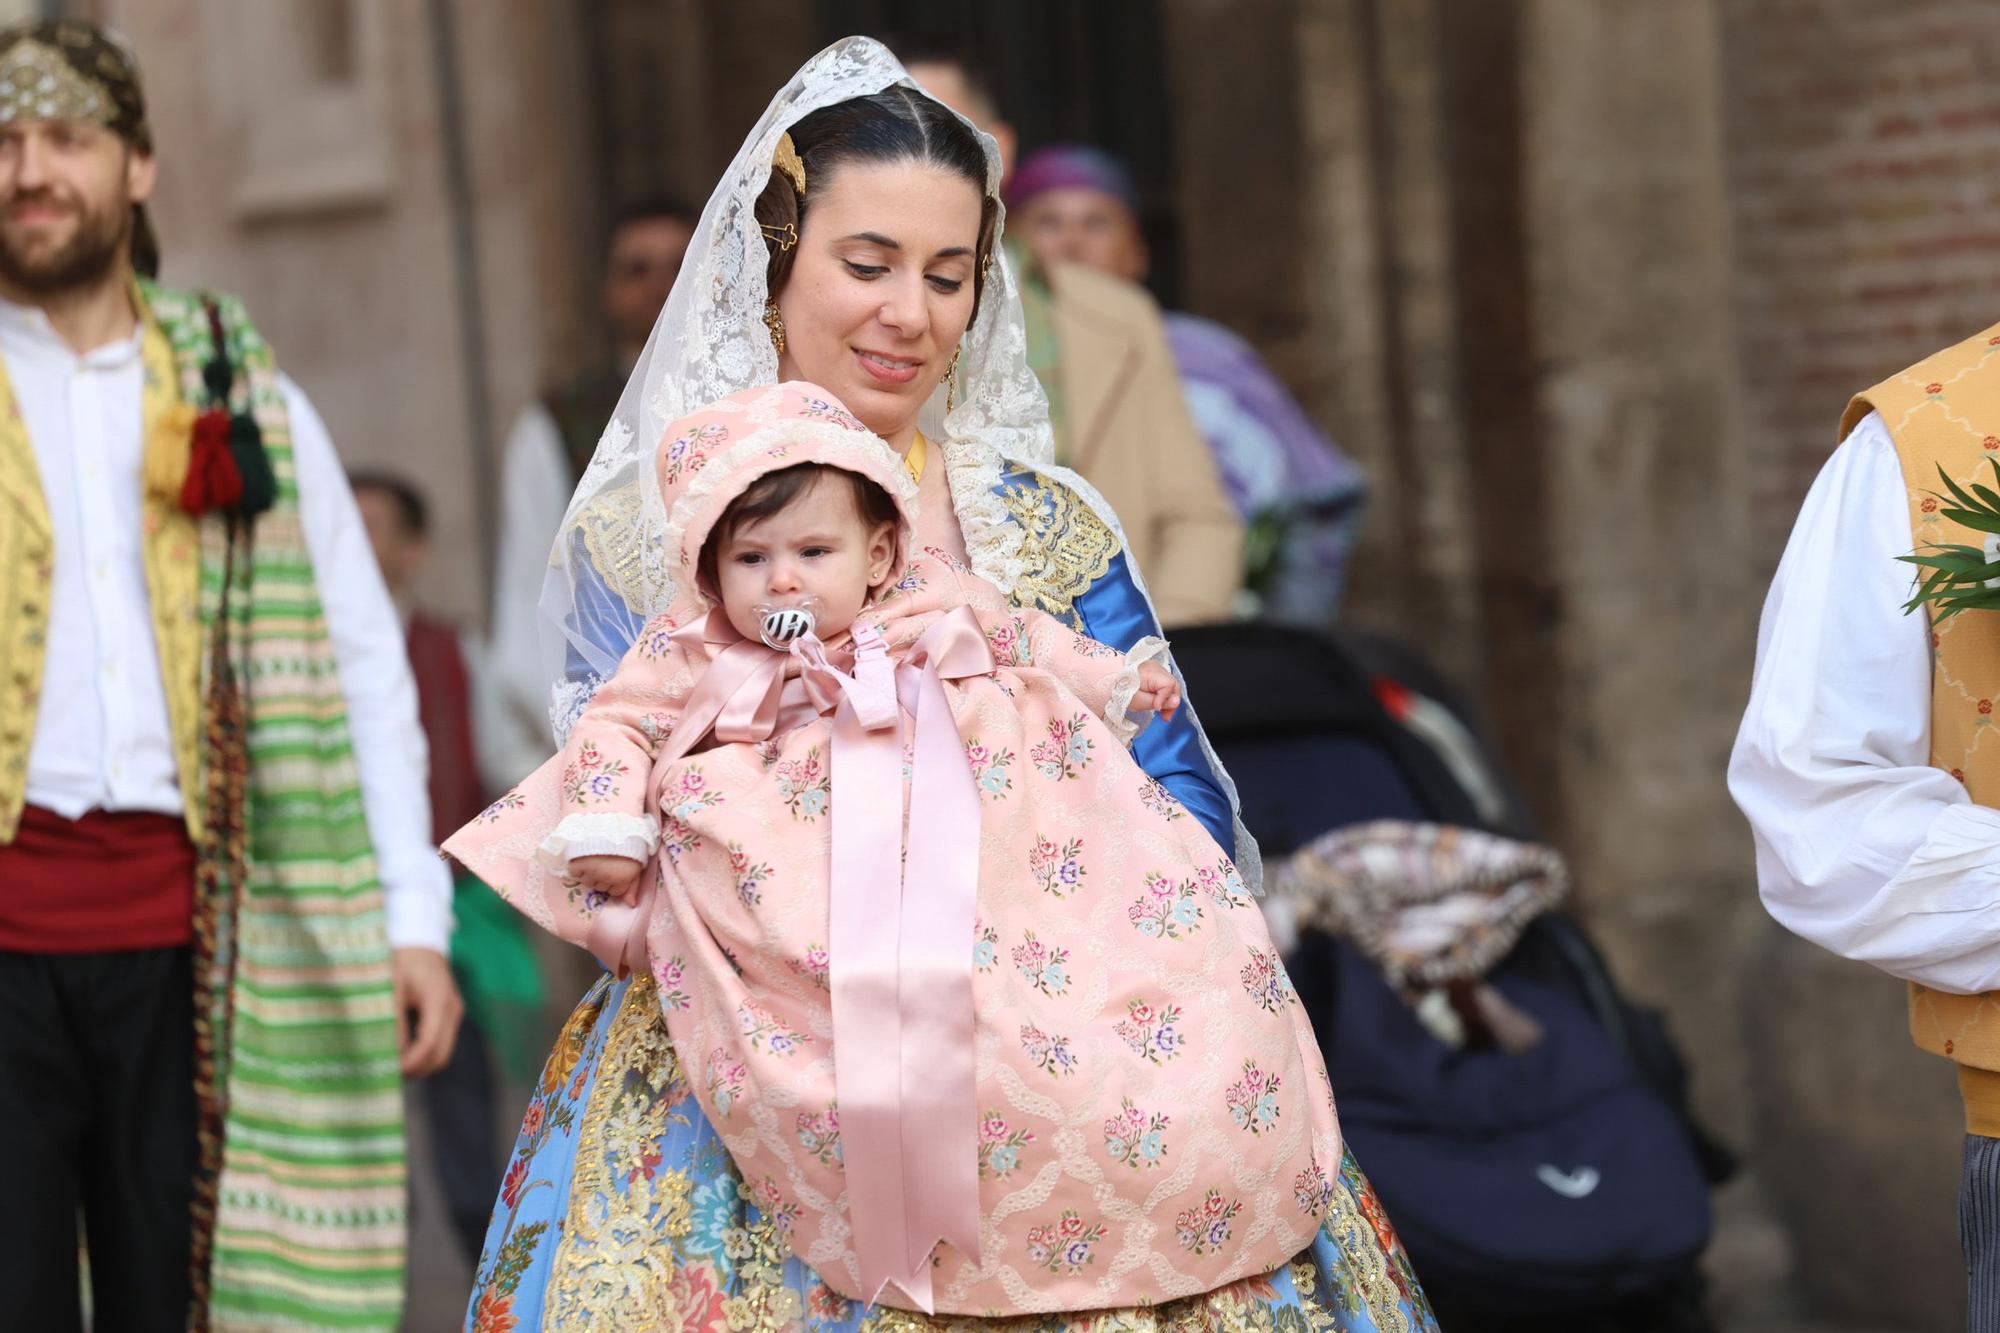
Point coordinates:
[(1302, 497)]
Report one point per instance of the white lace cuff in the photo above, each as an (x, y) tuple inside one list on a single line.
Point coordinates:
[(603, 834), (1152, 648)]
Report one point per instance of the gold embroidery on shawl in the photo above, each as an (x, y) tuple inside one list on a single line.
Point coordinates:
[(610, 528), (1065, 547)]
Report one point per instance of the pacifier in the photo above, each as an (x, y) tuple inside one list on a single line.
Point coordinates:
[(782, 626)]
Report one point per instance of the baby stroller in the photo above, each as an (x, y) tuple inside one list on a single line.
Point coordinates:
[(1561, 1187)]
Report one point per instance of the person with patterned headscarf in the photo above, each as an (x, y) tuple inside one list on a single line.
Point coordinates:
[(223, 931)]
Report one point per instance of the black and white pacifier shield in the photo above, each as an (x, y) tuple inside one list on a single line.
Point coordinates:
[(781, 627)]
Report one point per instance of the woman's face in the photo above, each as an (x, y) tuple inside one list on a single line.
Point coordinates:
[(882, 288)]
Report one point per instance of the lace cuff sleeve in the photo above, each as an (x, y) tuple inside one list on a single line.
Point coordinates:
[(600, 834), (1125, 684)]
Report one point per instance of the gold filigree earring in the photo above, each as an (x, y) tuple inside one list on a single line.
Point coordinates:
[(951, 379), (775, 322)]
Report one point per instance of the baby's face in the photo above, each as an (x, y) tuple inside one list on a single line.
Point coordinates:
[(818, 546)]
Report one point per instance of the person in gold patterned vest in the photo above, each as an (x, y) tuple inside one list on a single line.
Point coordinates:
[(223, 926), (1867, 762)]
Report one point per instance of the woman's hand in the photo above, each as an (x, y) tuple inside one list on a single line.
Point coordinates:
[(614, 876), (1158, 692)]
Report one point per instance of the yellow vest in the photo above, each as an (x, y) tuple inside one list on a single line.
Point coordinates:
[(1945, 412), (172, 550)]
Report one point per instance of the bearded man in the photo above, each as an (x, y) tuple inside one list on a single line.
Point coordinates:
[(203, 865)]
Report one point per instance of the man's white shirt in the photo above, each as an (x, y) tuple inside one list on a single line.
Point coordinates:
[(103, 739), (511, 687)]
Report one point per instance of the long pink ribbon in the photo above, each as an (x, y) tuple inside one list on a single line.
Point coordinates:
[(901, 921), (901, 948), (940, 900)]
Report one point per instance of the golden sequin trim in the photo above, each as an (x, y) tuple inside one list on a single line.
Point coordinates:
[(1370, 1282), (1065, 547), (607, 527)]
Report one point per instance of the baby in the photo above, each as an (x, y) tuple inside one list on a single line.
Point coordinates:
[(976, 1007), (802, 551)]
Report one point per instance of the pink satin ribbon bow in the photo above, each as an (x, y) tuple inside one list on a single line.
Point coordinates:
[(901, 927), (743, 696)]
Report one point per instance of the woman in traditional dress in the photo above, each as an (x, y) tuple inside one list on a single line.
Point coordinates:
[(853, 243)]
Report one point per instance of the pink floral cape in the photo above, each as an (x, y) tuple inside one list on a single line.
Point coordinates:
[(1153, 1117)]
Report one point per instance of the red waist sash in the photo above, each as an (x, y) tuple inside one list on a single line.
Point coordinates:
[(104, 882)]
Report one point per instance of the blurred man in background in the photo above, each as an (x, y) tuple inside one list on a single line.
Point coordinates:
[(491, 955), (199, 1047), (1096, 343), (547, 450), (1301, 498)]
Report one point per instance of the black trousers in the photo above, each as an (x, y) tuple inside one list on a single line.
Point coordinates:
[(97, 1117)]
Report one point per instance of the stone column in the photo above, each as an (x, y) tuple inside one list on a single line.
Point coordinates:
[(1650, 473), (1377, 271), (311, 181), (1635, 393)]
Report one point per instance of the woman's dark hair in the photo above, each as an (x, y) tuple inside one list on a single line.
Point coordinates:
[(895, 125), (777, 491)]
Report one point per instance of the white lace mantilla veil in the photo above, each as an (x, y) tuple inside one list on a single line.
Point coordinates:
[(609, 572)]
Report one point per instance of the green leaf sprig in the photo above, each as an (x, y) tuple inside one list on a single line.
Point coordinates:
[(1959, 575)]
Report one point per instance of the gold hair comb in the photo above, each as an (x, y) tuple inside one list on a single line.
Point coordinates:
[(787, 160)]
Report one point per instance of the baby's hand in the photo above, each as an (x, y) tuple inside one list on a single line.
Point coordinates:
[(613, 876), (1158, 692)]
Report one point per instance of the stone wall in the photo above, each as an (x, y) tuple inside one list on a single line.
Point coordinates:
[(1864, 175), (304, 166), (1863, 171), (1591, 284)]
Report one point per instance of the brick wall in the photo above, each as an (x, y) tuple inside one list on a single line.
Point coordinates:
[(1864, 159)]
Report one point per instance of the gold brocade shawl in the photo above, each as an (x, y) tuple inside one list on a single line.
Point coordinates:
[(172, 553)]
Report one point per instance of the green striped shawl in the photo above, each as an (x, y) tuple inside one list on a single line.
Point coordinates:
[(309, 1221)]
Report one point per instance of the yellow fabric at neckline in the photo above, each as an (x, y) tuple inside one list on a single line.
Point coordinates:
[(919, 454)]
